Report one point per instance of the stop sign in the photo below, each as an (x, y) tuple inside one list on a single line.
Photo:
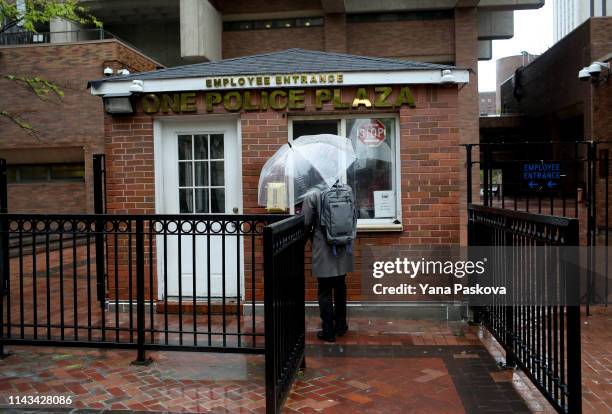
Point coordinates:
[(371, 133)]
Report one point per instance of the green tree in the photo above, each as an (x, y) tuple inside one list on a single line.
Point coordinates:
[(27, 15)]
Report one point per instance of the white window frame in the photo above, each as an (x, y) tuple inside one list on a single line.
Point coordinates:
[(373, 224)]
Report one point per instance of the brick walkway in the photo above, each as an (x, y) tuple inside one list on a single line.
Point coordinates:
[(383, 365), (596, 366)]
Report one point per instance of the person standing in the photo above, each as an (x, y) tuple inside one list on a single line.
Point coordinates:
[(330, 264)]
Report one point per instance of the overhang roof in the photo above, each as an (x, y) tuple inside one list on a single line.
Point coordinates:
[(286, 61), (362, 70)]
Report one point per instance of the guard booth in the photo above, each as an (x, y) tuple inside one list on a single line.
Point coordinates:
[(193, 140), (179, 256)]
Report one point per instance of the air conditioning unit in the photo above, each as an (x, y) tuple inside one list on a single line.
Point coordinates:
[(277, 198)]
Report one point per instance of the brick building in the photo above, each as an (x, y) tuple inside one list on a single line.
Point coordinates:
[(50, 170), (203, 109), (427, 176)]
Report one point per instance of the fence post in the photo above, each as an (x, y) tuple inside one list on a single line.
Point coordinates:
[(508, 270), (591, 221), (574, 356), (485, 176), (141, 358), (98, 188), (4, 249), (468, 161), (270, 347), (3, 230)]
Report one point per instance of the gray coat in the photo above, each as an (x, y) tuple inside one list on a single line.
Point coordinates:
[(324, 263)]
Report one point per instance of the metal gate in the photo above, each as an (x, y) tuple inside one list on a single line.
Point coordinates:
[(541, 337), (543, 194), (98, 280), (565, 179)]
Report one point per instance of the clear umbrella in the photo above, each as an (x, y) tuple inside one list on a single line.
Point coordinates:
[(310, 162)]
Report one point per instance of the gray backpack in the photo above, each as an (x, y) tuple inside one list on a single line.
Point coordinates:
[(338, 216)]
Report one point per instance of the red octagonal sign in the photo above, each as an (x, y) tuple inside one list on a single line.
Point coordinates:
[(371, 133)]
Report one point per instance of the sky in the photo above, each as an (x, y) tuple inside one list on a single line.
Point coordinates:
[(533, 32)]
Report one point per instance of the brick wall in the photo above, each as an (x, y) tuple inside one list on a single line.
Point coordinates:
[(43, 198), (336, 33), (431, 169), (77, 120), (252, 42), (421, 40), (466, 56)]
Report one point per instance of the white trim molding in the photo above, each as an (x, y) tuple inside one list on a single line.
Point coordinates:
[(409, 77)]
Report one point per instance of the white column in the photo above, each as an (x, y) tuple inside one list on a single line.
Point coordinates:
[(201, 28), (63, 31)]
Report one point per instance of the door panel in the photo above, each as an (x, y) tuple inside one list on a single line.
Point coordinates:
[(200, 176)]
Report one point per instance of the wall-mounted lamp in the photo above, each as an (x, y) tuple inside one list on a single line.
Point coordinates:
[(447, 78), (118, 103), (137, 86), (597, 72)]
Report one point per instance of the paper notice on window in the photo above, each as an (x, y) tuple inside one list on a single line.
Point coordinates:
[(384, 204)]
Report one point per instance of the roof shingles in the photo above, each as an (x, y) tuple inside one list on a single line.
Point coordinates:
[(286, 61)]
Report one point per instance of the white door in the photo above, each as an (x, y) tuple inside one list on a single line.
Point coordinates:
[(200, 175)]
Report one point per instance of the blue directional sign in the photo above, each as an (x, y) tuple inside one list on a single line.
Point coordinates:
[(541, 176)]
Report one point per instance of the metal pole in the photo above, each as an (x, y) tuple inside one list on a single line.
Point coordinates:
[(141, 358), (485, 171), (574, 357), (468, 156), (4, 249), (509, 308), (98, 190)]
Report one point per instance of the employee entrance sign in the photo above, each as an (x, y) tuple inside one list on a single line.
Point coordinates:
[(541, 176)]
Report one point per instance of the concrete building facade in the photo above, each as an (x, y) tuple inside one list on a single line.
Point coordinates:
[(569, 14)]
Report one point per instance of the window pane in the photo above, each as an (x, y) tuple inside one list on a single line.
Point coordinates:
[(201, 173), (186, 200), (374, 143), (201, 200), (200, 144), (216, 173), (216, 146), (33, 173), (68, 172), (185, 175), (184, 147), (11, 174), (217, 198)]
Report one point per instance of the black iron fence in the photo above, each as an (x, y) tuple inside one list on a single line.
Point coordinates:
[(146, 282), (565, 179), (542, 339), (285, 318), (158, 282), (12, 38)]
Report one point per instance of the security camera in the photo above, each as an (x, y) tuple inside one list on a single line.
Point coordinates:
[(584, 74), (123, 72), (447, 78), (597, 67), (108, 71)]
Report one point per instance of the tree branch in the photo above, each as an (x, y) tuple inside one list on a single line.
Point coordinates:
[(17, 120), (42, 88)]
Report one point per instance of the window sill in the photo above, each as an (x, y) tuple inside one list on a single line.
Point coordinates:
[(382, 227)]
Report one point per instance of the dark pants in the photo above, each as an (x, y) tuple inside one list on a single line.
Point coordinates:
[(332, 317)]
